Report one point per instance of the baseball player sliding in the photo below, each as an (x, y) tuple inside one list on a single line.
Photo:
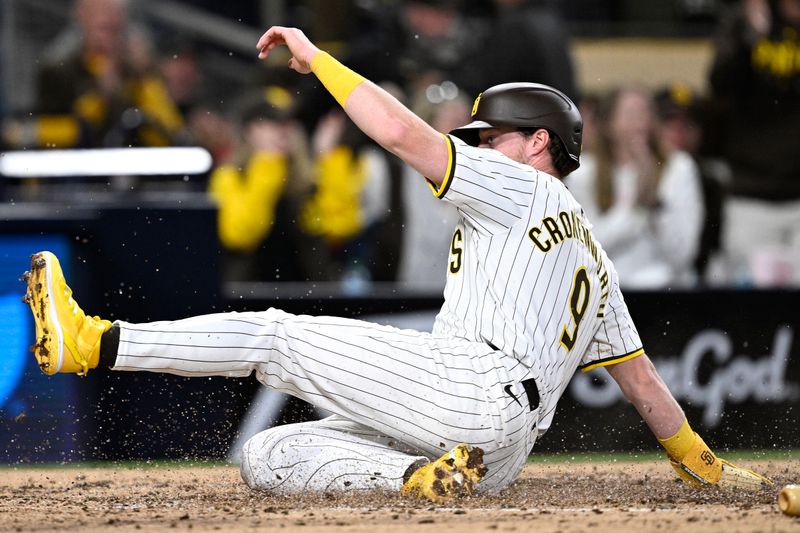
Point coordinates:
[(530, 297)]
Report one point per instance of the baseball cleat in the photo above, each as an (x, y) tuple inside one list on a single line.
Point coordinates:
[(67, 340), (454, 474)]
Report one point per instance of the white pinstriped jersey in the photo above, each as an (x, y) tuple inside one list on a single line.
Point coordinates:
[(525, 274)]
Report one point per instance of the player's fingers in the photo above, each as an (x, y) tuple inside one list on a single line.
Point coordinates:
[(268, 36), (268, 48), (271, 38), (264, 52)]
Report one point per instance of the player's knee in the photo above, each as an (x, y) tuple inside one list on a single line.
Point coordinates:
[(261, 464)]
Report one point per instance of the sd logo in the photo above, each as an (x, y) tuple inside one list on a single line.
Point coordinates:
[(708, 457)]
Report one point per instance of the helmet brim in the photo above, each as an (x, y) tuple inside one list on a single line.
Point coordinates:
[(469, 132)]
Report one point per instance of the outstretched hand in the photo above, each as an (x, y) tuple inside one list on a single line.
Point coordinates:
[(301, 48)]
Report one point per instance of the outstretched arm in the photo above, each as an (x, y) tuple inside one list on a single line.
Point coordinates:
[(644, 388), (377, 113), (689, 455)]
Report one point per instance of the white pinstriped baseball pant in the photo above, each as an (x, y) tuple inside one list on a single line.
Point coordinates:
[(400, 397)]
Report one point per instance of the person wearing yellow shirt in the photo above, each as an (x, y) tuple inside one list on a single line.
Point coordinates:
[(100, 91), (357, 206), (259, 193)]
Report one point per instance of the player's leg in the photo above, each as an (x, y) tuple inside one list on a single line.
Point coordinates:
[(431, 392), (329, 454), (428, 391), (336, 454)]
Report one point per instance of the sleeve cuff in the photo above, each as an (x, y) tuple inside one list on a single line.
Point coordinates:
[(440, 190), (613, 360)]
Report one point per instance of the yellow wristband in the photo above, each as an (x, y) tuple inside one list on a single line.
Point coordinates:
[(337, 78), (680, 443)]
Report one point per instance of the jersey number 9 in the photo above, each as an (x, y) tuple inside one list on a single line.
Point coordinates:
[(578, 303)]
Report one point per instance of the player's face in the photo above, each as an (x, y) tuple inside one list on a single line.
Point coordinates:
[(508, 141)]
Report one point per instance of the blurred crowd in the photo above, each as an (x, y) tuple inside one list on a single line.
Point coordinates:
[(685, 187)]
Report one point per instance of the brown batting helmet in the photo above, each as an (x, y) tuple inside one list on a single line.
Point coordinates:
[(526, 105)]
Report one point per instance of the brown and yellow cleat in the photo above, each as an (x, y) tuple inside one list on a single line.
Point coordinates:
[(452, 475), (67, 340)]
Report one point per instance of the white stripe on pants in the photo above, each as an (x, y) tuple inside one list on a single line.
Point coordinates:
[(428, 392)]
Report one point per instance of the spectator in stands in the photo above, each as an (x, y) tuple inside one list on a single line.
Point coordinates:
[(681, 114), (527, 41), (182, 75), (677, 108), (105, 91), (755, 78), (429, 222), (201, 103), (357, 205), (645, 204), (260, 192), (412, 44), (588, 108), (439, 42), (416, 44), (211, 126)]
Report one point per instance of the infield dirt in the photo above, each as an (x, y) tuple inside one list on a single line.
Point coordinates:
[(565, 497)]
